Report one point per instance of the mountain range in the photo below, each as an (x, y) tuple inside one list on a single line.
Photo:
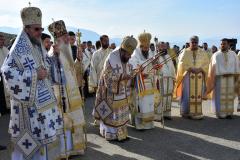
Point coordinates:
[(87, 35), (94, 36)]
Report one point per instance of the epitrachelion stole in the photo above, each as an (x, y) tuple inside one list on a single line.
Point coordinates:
[(167, 86), (196, 82), (25, 60)]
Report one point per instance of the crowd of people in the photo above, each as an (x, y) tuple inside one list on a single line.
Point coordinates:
[(45, 81)]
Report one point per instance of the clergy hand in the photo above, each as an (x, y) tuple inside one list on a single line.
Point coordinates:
[(189, 69), (157, 66), (139, 68), (42, 73), (194, 70), (199, 70)]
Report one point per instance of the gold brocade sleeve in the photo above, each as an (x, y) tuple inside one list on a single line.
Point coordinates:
[(204, 64), (183, 65), (210, 78)]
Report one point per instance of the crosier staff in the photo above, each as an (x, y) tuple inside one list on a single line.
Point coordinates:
[(79, 34)]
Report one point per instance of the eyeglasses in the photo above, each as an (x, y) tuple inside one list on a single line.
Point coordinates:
[(37, 29)]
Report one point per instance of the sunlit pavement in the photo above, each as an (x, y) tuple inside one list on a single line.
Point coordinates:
[(210, 138)]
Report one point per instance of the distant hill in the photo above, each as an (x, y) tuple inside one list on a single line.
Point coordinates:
[(93, 36), (86, 34), (8, 37)]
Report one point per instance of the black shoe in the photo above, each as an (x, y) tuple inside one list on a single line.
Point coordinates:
[(124, 140), (186, 116), (119, 141), (141, 130), (3, 148), (127, 139), (229, 117), (167, 118)]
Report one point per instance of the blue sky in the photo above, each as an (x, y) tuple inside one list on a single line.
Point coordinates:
[(166, 19)]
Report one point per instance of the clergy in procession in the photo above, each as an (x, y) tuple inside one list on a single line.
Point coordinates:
[(89, 50), (152, 50), (165, 79), (172, 53), (97, 63), (142, 112), (112, 105), (35, 121), (207, 50), (4, 97), (46, 40), (223, 80), (67, 92), (86, 67), (190, 81), (72, 40), (78, 60)]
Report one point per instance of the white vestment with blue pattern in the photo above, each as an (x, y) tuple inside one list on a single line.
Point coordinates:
[(35, 119)]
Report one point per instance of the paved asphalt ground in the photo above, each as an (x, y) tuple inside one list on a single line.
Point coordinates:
[(210, 138)]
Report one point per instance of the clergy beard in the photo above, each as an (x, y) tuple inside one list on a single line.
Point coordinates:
[(66, 51), (124, 59), (145, 54), (163, 52), (105, 46), (224, 50), (34, 41)]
